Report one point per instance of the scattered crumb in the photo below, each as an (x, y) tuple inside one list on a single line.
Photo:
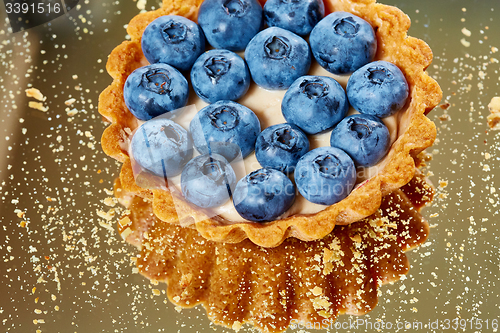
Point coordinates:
[(141, 4), (237, 326), (494, 116), (38, 106), (36, 94), (466, 32), (444, 117), (124, 222), (70, 101), (316, 291)]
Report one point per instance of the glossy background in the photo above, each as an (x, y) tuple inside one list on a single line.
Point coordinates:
[(67, 270)]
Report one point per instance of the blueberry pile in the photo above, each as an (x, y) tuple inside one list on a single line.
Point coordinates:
[(276, 57)]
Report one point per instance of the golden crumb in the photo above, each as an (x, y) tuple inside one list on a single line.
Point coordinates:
[(125, 233), (70, 101), (106, 226), (38, 106), (316, 291), (328, 268), (111, 202), (494, 116), (237, 326), (445, 106), (72, 112), (444, 117), (321, 303), (124, 222), (356, 238), (106, 215), (185, 280), (36, 94), (324, 314)]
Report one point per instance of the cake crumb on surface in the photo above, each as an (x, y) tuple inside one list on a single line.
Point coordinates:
[(70, 101), (494, 116), (316, 291), (237, 326), (36, 94), (38, 106), (124, 222)]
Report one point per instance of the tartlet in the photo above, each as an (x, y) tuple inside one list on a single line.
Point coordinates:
[(296, 282), (415, 131)]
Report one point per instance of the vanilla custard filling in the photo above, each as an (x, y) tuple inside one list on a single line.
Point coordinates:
[(266, 104)]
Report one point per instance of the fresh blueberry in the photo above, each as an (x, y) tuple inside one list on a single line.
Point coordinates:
[(263, 195), (365, 138), (277, 57), (225, 128), (314, 103), (219, 75), (208, 180), (281, 146), (230, 24), (153, 90), (161, 147), (297, 16), (325, 175), (379, 89), (343, 42), (173, 40)]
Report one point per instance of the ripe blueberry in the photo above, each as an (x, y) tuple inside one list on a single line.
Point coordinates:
[(220, 75), (226, 128), (325, 175), (314, 103), (161, 147), (280, 147), (297, 16), (378, 88), (153, 90), (277, 57), (343, 42), (263, 195), (365, 138), (208, 180), (173, 40), (230, 24)]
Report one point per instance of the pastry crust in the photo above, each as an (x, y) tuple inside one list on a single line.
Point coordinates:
[(298, 281), (415, 131)]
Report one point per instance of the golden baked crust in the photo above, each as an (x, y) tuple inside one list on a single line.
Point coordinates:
[(415, 132), (296, 281)]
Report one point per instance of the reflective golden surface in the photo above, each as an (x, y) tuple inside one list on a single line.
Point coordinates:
[(65, 269)]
